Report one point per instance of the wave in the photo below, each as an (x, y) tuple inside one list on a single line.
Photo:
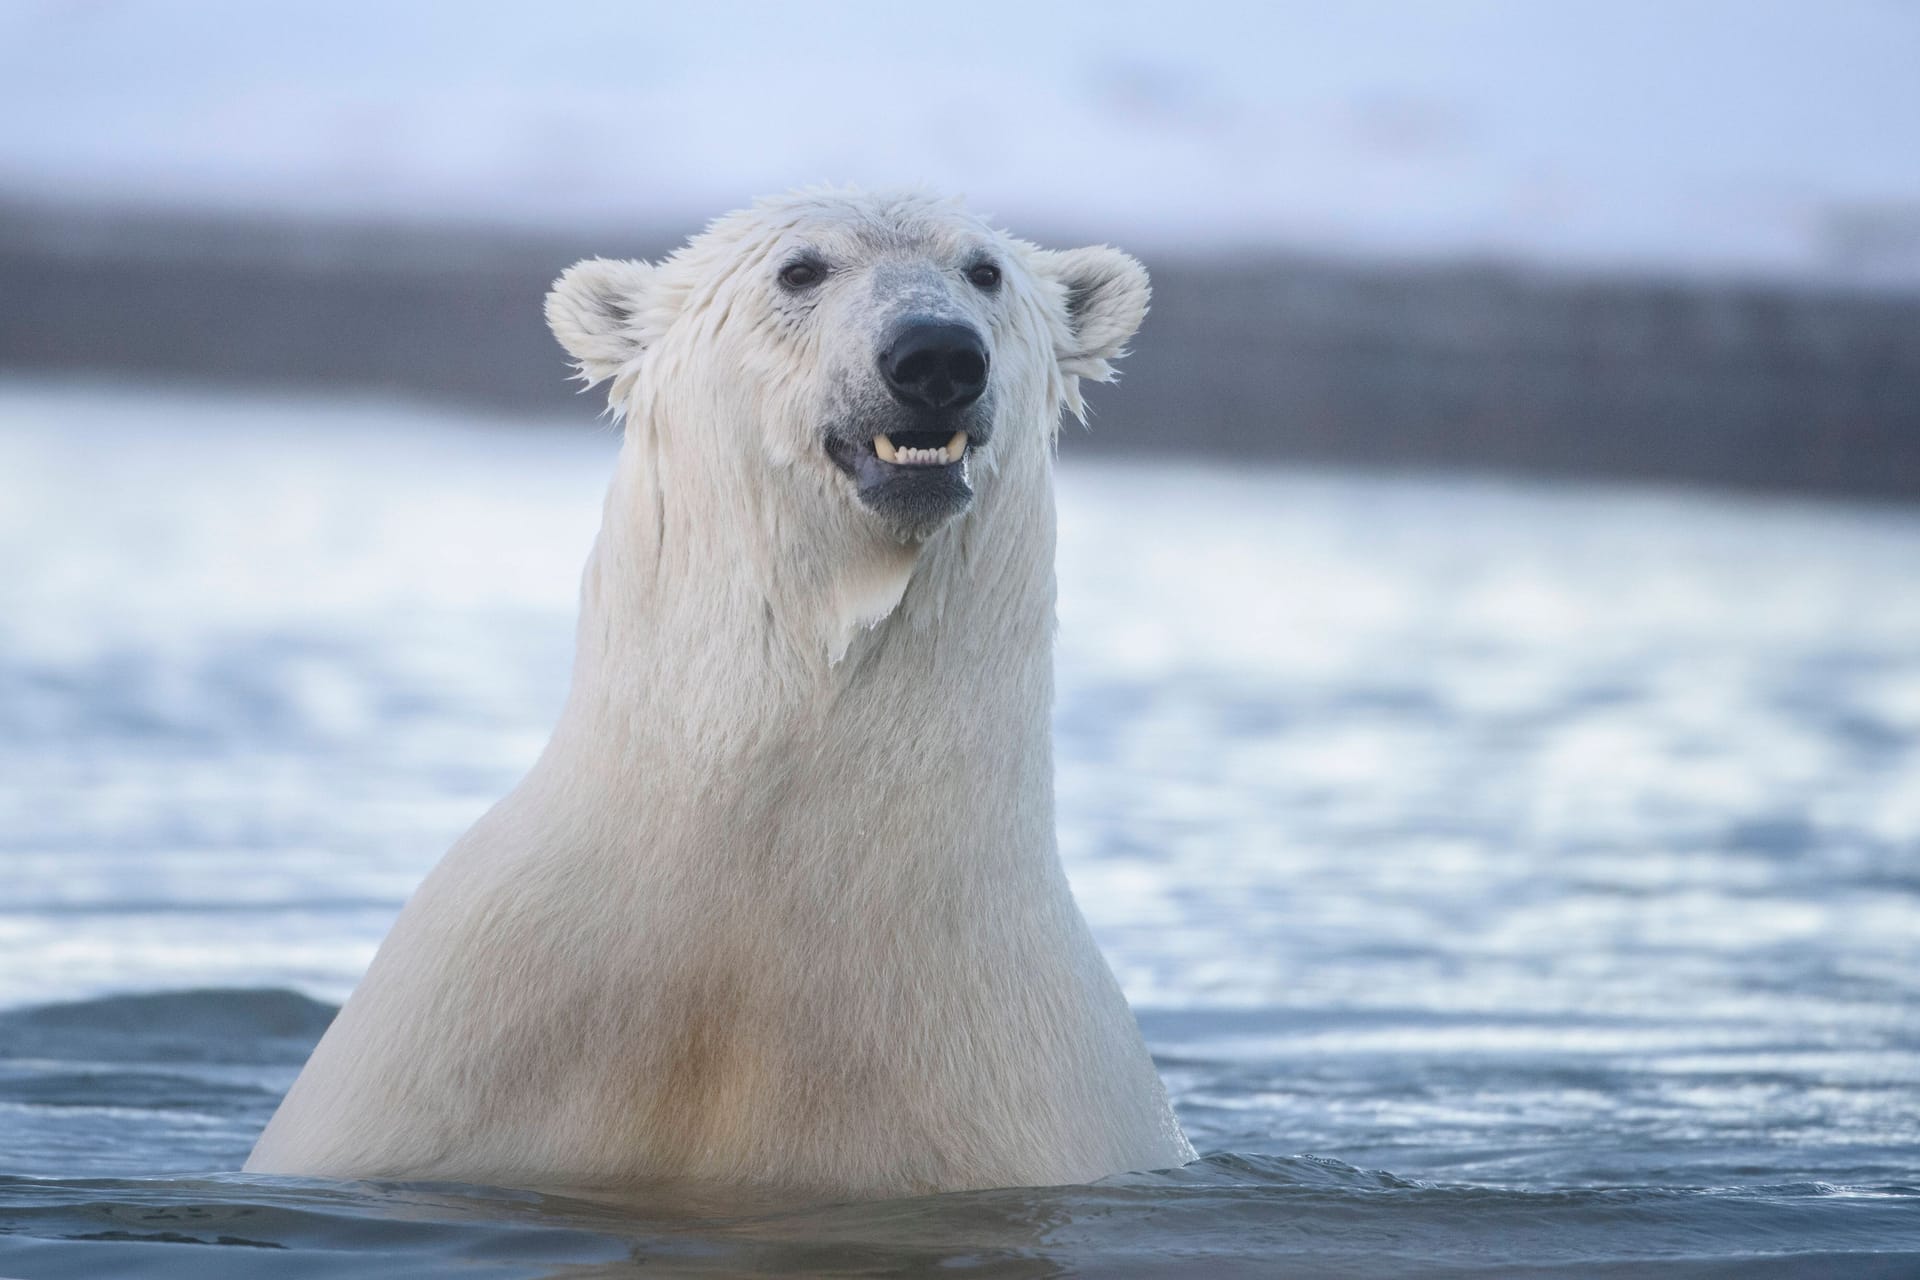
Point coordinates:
[(264, 1026)]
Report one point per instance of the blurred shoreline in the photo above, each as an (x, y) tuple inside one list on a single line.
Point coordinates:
[(1789, 387)]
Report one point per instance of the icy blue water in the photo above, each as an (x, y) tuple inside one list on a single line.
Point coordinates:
[(1512, 880)]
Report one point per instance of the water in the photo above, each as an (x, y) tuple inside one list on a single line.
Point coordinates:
[(1512, 879)]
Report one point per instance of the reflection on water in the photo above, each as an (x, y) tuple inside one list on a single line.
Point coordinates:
[(1557, 851)]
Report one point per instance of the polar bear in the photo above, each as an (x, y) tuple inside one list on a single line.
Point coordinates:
[(780, 903)]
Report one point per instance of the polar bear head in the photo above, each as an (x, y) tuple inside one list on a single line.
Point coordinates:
[(866, 357)]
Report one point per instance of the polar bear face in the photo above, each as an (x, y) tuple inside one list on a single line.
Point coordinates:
[(880, 352)]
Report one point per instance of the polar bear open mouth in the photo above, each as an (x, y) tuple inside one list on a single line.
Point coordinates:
[(904, 455), (913, 478)]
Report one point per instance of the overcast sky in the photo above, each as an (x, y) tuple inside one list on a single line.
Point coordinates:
[(1778, 137)]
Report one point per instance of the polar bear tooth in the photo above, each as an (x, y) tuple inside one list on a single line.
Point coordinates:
[(955, 447), (884, 447)]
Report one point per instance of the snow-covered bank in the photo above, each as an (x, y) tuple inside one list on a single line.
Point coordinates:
[(1717, 135)]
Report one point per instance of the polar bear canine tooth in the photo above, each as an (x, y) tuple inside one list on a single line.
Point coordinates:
[(952, 451)]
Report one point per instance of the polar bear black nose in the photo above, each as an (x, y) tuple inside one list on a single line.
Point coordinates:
[(936, 364)]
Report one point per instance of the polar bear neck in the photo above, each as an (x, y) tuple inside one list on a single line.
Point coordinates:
[(890, 707)]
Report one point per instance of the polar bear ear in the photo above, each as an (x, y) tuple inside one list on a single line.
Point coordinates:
[(598, 310), (1105, 295)]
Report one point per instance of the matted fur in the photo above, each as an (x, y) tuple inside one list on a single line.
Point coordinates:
[(780, 902)]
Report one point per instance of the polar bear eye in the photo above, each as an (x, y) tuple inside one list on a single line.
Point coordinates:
[(803, 273), (984, 275)]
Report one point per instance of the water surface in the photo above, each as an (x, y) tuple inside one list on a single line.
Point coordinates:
[(1512, 879)]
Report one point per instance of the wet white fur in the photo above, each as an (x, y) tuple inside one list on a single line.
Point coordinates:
[(780, 902)]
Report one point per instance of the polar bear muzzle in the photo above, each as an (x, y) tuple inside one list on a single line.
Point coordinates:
[(908, 460)]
